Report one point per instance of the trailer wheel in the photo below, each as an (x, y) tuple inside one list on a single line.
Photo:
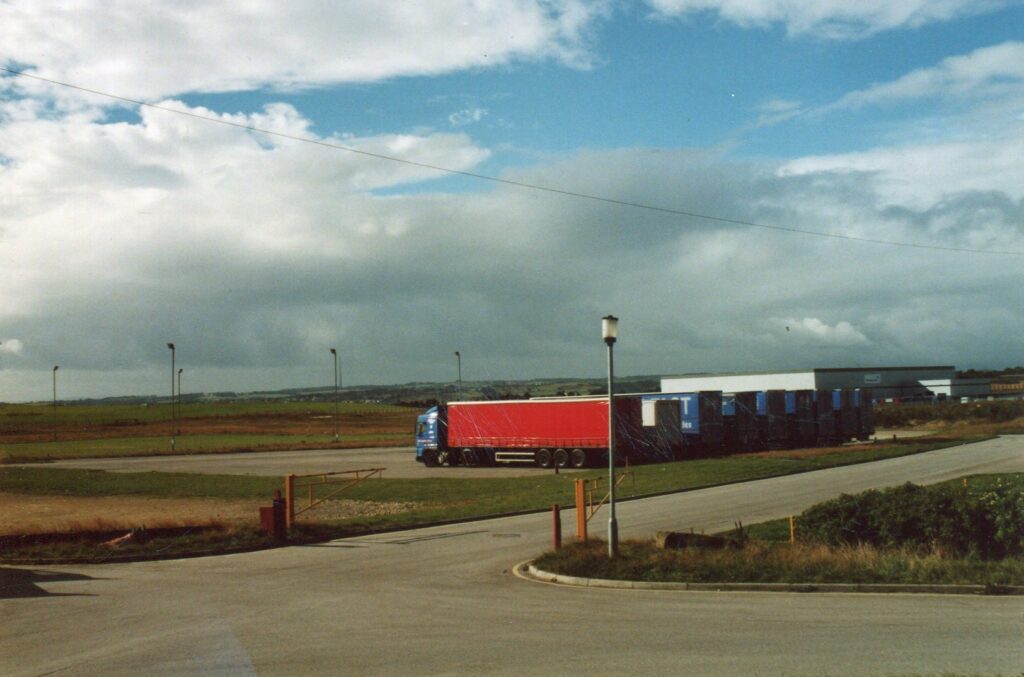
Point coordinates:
[(543, 458), (578, 458), (561, 458)]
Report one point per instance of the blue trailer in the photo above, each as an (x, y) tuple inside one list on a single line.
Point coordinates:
[(684, 425), (772, 420), (864, 405), (739, 422), (803, 429)]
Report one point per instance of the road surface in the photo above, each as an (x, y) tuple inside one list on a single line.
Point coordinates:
[(399, 461), (442, 600)]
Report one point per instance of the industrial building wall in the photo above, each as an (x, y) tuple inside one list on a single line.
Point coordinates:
[(739, 383), (885, 382)]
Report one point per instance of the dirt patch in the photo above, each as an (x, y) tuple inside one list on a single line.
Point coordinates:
[(28, 514), (340, 509)]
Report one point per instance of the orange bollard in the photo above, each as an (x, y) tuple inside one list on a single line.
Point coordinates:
[(556, 526), (581, 511), (289, 501)]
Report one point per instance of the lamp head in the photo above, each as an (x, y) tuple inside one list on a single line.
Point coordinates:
[(609, 328), (171, 346)]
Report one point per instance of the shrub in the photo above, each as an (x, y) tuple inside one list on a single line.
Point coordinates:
[(992, 411), (947, 518)]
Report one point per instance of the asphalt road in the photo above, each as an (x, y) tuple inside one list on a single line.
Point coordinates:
[(442, 601), (399, 461)]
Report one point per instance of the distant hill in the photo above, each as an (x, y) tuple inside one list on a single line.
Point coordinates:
[(416, 393)]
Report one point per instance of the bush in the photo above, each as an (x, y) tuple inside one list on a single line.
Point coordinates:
[(947, 518), (988, 411)]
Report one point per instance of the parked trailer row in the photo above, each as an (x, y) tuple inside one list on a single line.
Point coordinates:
[(648, 428)]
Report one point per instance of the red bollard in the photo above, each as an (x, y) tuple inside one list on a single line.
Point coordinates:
[(556, 526)]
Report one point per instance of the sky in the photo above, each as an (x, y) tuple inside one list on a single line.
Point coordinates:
[(746, 184)]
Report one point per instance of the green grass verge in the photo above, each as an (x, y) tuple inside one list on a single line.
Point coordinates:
[(766, 556), (762, 562), (462, 496), (170, 542), (184, 444), (40, 416), (436, 499)]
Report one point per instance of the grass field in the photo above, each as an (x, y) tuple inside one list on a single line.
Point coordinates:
[(36, 417), (443, 498), (28, 433)]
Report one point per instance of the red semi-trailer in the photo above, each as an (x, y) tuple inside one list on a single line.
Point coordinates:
[(563, 432)]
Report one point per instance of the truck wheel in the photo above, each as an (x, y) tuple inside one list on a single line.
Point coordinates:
[(543, 458), (578, 458), (444, 457), (561, 458), (430, 458), (468, 457)]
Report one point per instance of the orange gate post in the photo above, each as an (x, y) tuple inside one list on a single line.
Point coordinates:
[(581, 511), (289, 500)]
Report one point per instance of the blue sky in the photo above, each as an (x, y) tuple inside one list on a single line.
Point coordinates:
[(683, 82), (866, 123)]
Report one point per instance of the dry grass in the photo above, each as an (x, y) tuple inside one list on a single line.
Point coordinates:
[(33, 514)]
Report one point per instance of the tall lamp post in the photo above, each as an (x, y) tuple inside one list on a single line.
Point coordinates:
[(334, 352), (458, 361), (173, 416), (178, 415), (610, 330), (55, 368)]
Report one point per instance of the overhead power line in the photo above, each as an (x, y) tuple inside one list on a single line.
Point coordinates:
[(508, 182)]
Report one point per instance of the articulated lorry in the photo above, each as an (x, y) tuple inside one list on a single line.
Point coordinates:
[(653, 427), (545, 432)]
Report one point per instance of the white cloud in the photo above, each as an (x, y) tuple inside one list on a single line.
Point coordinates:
[(153, 50), (254, 253), (11, 346), (920, 175), (467, 116), (986, 72), (833, 19), (814, 330)]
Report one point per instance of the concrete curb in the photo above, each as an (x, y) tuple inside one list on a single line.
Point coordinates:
[(528, 571)]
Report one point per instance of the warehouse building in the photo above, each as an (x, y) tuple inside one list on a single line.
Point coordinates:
[(886, 383)]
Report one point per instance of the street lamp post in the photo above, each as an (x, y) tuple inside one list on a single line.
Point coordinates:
[(173, 416), (334, 352), (178, 415), (609, 330), (55, 368), (458, 361)]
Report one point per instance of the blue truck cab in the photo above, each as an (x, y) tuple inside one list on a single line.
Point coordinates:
[(427, 437)]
